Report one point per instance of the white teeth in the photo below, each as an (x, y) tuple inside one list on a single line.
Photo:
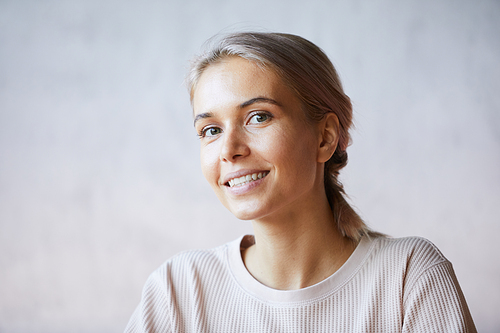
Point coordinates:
[(246, 179)]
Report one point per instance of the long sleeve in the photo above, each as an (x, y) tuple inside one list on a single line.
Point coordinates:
[(435, 303), (152, 314)]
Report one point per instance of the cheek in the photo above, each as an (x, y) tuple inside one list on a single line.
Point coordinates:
[(298, 153), (209, 159)]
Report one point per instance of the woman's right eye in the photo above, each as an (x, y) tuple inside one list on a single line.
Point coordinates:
[(211, 131)]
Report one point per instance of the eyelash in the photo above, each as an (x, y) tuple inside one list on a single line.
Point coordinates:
[(202, 133), (261, 113), (204, 130)]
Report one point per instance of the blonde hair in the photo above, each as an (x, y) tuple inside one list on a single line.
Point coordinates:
[(306, 69)]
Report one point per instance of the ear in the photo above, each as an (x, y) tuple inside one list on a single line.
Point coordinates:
[(328, 137)]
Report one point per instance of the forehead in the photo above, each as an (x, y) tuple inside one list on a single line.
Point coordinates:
[(235, 80)]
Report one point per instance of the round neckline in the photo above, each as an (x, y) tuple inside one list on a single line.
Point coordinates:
[(312, 293)]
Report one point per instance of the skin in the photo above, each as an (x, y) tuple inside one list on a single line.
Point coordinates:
[(249, 121)]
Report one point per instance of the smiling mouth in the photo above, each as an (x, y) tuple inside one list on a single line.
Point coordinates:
[(239, 181)]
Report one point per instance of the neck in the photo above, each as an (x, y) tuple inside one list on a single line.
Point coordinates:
[(297, 249)]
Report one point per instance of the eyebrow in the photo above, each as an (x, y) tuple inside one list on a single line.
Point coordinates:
[(241, 106), (202, 116), (259, 100)]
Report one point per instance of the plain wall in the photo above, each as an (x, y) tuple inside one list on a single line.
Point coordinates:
[(99, 168)]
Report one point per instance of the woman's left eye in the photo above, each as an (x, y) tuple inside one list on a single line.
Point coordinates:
[(259, 118)]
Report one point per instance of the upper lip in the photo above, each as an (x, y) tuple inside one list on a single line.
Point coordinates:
[(240, 173)]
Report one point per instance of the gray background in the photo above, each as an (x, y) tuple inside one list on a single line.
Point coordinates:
[(99, 169)]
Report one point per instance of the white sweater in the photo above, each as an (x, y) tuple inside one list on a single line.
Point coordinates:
[(387, 285)]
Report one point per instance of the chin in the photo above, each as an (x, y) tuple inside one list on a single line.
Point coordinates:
[(245, 213)]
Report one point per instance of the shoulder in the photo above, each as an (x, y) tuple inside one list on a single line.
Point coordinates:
[(414, 247), (170, 292), (184, 274), (403, 261), (198, 256), (431, 296), (416, 251), (186, 263)]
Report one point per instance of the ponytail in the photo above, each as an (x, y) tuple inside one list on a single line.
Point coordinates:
[(348, 221)]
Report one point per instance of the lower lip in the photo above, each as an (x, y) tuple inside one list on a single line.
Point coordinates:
[(243, 189)]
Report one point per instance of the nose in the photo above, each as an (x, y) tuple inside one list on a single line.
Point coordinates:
[(234, 145)]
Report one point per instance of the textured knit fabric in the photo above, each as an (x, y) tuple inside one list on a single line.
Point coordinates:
[(387, 285)]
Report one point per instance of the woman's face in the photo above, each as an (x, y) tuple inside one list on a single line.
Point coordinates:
[(258, 151)]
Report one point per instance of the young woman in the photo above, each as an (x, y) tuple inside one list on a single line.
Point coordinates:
[(274, 122)]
